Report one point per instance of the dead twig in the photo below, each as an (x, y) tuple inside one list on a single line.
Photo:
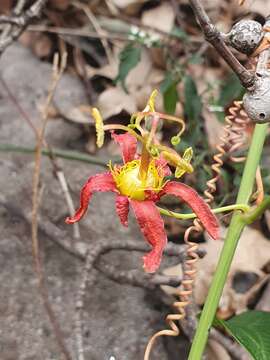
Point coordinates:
[(88, 278), (76, 32), (17, 23), (91, 17), (52, 156), (213, 36), (136, 278), (79, 249), (57, 72)]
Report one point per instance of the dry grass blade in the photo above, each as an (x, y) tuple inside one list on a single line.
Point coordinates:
[(97, 27), (57, 72)]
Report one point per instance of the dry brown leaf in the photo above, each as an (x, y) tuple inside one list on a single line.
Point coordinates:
[(206, 79), (60, 4), (161, 17), (114, 100), (5, 6), (42, 47), (208, 87), (267, 219), (138, 76), (78, 115), (109, 71), (130, 7), (40, 44), (246, 259), (261, 7), (143, 95), (252, 253), (212, 7), (214, 129), (215, 351), (158, 58)]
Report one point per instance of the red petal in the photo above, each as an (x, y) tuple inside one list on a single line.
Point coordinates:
[(122, 208), (163, 167), (128, 145), (99, 182), (152, 227), (197, 204)]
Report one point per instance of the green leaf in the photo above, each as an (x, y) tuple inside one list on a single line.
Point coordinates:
[(252, 330), (129, 58), (179, 33), (170, 95), (230, 90), (195, 59), (193, 104)]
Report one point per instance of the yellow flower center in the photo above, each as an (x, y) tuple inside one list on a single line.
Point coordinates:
[(129, 184)]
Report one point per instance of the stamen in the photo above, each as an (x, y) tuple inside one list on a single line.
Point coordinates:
[(144, 165), (99, 126), (124, 128)]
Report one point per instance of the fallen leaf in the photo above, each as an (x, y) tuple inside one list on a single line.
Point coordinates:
[(109, 70), (213, 128), (78, 115), (261, 7), (114, 100), (143, 95), (60, 4), (158, 57), (130, 7), (40, 44), (42, 47), (138, 76), (215, 351), (5, 6), (251, 242), (161, 17)]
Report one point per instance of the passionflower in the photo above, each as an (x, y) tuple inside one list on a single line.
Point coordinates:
[(141, 181)]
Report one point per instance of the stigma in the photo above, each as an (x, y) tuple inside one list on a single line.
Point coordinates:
[(130, 184)]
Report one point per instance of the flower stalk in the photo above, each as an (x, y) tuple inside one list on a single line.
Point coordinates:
[(235, 229), (188, 216)]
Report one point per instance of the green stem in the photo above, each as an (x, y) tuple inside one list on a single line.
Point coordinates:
[(65, 154), (255, 214), (243, 207), (236, 227)]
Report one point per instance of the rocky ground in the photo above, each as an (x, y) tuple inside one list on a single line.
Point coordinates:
[(118, 318)]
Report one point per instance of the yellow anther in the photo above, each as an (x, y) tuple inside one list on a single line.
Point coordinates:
[(187, 156), (99, 126), (151, 101), (181, 164)]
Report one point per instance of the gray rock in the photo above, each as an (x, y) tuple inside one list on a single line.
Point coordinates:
[(118, 318)]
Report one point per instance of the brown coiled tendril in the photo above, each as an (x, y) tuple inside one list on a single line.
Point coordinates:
[(231, 140)]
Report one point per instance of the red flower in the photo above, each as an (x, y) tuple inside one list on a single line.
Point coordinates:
[(141, 193)]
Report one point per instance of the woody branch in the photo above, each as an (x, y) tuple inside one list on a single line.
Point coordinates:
[(18, 21), (214, 37)]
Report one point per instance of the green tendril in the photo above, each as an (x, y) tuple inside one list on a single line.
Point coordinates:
[(175, 140)]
